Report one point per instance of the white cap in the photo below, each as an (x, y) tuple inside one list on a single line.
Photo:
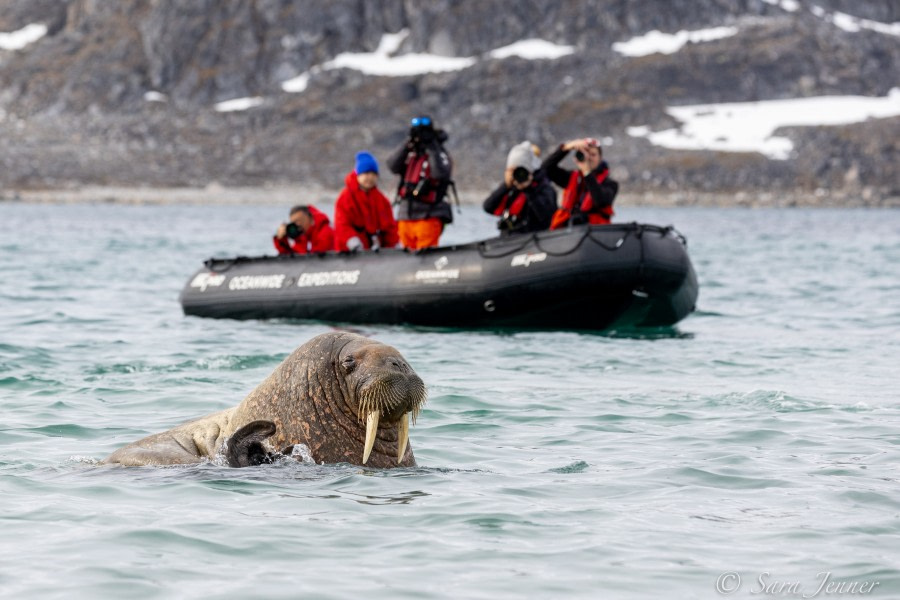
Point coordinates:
[(522, 155)]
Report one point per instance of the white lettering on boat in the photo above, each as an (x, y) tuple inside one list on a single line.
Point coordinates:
[(328, 278), (205, 280), (256, 282), (432, 276), (523, 260), (440, 273)]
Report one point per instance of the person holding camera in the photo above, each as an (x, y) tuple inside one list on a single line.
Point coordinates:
[(307, 231), (425, 168), (526, 200), (589, 192), (362, 214)]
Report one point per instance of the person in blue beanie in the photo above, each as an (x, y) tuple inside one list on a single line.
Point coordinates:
[(362, 214)]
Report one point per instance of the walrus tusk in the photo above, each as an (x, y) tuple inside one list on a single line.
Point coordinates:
[(371, 427), (402, 436)]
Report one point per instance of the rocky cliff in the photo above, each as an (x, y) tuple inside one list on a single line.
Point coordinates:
[(129, 93)]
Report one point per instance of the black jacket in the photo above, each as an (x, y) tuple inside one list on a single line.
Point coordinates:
[(440, 165), (536, 211), (602, 194)]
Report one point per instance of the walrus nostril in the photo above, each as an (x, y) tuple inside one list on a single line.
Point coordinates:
[(399, 365)]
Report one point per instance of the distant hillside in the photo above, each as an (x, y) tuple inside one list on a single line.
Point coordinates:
[(272, 92)]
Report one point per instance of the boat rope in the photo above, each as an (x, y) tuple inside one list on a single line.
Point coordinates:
[(220, 265), (587, 236), (589, 233)]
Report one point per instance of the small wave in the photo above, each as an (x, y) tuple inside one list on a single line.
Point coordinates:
[(710, 313), (84, 460), (579, 466), (649, 333), (29, 382), (773, 400), (221, 363), (687, 476), (68, 430)]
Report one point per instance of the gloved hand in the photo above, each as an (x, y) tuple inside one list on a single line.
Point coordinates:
[(354, 244)]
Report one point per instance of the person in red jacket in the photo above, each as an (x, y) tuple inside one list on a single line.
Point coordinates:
[(307, 231), (589, 191), (363, 218)]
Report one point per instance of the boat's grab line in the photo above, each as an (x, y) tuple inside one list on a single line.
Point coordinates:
[(219, 265)]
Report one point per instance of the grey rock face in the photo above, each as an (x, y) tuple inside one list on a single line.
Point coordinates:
[(76, 110)]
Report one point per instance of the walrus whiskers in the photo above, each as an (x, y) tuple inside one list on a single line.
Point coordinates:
[(384, 396)]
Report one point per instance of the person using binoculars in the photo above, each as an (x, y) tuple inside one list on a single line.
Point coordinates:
[(526, 200), (425, 168), (588, 191), (307, 231)]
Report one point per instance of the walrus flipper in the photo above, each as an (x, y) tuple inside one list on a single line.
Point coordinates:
[(245, 449)]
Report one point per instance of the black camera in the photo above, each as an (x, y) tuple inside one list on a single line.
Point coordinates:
[(293, 230), (521, 174), (579, 156), (421, 134), (508, 223)]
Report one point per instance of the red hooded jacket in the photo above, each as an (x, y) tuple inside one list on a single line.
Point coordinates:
[(318, 238), (363, 214)]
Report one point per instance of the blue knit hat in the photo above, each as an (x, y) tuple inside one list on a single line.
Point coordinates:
[(366, 163)]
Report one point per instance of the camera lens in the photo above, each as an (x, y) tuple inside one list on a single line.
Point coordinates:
[(293, 230), (579, 156), (521, 174)]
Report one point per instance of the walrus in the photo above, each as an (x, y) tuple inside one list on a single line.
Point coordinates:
[(345, 397)]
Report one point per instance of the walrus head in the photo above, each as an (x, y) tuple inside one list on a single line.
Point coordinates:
[(346, 397), (382, 387)]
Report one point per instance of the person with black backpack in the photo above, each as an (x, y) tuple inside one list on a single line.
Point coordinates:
[(425, 168)]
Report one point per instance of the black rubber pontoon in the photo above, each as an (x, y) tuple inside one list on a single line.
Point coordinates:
[(585, 277)]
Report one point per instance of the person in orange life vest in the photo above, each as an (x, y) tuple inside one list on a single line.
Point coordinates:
[(309, 229), (525, 200), (424, 167), (362, 214), (589, 192)]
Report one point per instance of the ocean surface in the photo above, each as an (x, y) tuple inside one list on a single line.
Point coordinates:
[(751, 451)]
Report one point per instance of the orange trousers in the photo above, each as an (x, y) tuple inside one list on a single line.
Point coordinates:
[(423, 233)]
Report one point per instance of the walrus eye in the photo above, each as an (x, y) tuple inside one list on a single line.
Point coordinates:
[(348, 363)]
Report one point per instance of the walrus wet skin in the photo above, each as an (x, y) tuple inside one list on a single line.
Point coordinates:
[(345, 397)]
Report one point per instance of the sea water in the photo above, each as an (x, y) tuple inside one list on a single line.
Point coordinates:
[(751, 451)]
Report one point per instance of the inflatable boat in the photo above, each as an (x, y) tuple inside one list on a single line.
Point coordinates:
[(585, 277)]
